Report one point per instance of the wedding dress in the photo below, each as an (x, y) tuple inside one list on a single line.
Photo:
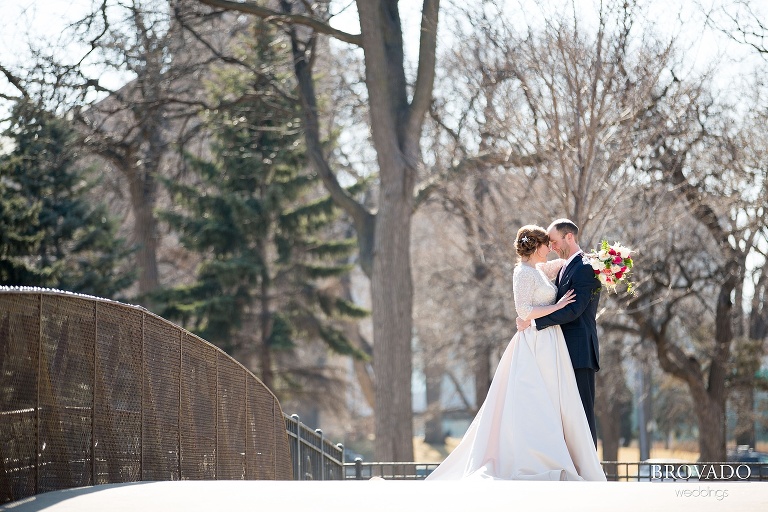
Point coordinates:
[(532, 425)]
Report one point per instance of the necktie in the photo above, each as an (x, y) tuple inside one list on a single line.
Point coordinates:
[(562, 270)]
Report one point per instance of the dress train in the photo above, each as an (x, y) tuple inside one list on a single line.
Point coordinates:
[(532, 424)]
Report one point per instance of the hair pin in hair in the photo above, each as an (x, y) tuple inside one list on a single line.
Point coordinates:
[(524, 239)]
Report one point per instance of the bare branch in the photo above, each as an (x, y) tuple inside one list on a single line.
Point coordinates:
[(274, 16), (14, 80), (425, 76)]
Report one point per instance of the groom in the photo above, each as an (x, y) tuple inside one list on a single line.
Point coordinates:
[(577, 320)]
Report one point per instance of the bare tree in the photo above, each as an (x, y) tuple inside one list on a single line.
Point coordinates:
[(139, 127), (565, 107), (744, 21), (553, 119), (614, 400), (702, 162), (397, 110)]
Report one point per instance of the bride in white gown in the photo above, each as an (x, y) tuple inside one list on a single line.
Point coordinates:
[(532, 425)]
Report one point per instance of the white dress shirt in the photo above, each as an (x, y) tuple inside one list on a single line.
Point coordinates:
[(577, 253)]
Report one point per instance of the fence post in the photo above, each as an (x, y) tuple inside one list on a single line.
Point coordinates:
[(93, 392), (296, 418), (319, 432), (340, 446), (358, 468)]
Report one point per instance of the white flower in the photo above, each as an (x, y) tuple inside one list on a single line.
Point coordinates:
[(624, 252), (603, 255), (597, 264)]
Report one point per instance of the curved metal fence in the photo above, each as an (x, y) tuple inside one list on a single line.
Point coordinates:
[(94, 391)]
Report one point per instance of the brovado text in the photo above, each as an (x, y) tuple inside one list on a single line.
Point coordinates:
[(701, 471)]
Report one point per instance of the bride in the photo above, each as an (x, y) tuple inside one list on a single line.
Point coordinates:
[(532, 425)]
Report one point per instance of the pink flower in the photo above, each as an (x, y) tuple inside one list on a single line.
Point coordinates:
[(612, 252), (618, 260)]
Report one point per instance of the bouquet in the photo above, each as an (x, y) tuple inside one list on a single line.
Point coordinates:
[(612, 265)]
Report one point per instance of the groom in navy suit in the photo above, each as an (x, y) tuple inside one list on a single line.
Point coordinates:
[(577, 320)]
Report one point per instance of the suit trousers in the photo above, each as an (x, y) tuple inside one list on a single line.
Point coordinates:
[(585, 381)]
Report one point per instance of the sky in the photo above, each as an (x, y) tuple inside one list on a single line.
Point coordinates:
[(44, 20), (38, 20)]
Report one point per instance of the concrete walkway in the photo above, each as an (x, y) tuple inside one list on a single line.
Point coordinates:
[(401, 496)]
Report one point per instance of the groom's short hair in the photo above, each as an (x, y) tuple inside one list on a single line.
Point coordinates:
[(565, 226)]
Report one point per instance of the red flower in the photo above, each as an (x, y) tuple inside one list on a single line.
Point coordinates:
[(618, 275), (612, 252), (597, 272), (617, 260), (623, 269)]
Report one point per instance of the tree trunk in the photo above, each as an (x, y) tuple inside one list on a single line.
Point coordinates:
[(743, 400), (483, 374), (710, 413), (483, 320), (433, 426), (613, 399), (396, 128), (265, 321), (610, 432), (712, 429), (392, 294), (644, 411), (143, 190)]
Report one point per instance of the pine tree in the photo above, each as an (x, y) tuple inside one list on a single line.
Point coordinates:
[(256, 219), (65, 239), (18, 236)]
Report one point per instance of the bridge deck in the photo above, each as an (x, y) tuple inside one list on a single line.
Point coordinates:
[(235, 496)]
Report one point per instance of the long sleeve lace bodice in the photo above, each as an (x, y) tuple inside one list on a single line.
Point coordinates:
[(551, 268), (531, 288)]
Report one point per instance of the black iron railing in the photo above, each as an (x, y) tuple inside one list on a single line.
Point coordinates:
[(314, 457), (614, 471)]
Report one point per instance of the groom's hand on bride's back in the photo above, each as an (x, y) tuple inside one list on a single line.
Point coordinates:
[(522, 324)]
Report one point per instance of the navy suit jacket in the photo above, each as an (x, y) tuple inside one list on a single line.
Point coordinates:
[(577, 320)]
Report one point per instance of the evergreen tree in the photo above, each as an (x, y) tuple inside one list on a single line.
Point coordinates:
[(18, 236), (256, 218), (63, 238)]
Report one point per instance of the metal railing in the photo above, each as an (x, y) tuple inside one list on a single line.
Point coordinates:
[(360, 470), (94, 391), (314, 457), (614, 471)]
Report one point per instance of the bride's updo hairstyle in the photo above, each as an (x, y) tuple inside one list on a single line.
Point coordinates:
[(529, 238)]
